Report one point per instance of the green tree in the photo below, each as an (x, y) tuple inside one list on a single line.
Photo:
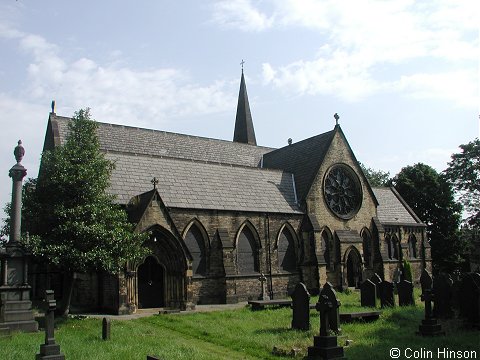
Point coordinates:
[(74, 224), (376, 178), (463, 173), (431, 197)]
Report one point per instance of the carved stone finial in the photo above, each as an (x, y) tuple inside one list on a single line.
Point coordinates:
[(19, 152), (154, 182), (336, 118)]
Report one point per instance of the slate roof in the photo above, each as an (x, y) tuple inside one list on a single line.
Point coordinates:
[(197, 185), (348, 236), (392, 209), (303, 159), (135, 140), (193, 172)]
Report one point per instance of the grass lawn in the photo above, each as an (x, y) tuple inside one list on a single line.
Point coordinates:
[(240, 334)]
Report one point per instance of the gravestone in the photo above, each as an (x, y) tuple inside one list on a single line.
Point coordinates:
[(334, 317), (325, 344), (405, 293), (386, 294), (368, 293), (397, 275), (376, 279), (469, 295), (443, 290), (105, 329), (263, 281), (301, 307), (50, 350), (430, 325)]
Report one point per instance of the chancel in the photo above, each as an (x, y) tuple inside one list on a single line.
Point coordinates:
[(221, 213)]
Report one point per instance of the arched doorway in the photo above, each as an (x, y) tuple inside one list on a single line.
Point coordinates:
[(150, 284), (354, 268)]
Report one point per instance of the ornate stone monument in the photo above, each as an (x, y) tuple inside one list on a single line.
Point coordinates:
[(15, 305), (325, 345)]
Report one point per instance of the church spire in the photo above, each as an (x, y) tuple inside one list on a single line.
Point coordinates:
[(244, 132)]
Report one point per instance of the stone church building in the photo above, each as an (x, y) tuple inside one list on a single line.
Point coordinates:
[(221, 213)]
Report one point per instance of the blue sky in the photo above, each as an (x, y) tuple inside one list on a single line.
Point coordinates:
[(402, 75)]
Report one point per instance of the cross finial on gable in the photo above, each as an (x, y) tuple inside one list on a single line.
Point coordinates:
[(336, 118), (154, 183)]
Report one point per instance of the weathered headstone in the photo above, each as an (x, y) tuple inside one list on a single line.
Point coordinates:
[(301, 307), (430, 325), (325, 344), (334, 317), (263, 281), (469, 295), (442, 288), (50, 350), (397, 275), (105, 329), (386, 294), (368, 294), (376, 279), (405, 293)]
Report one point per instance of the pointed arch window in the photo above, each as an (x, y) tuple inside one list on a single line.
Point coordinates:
[(367, 248), (412, 246), (195, 242), (286, 251), (327, 245), (247, 252), (392, 243)]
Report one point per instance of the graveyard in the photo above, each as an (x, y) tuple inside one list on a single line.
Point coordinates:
[(243, 334)]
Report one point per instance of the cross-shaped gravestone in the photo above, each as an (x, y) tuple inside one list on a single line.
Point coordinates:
[(334, 317), (426, 281), (405, 293), (368, 293), (50, 350), (325, 345), (301, 307), (263, 281), (430, 325)]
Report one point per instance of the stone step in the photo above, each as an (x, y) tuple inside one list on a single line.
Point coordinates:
[(18, 305), (25, 326), (18, 315)]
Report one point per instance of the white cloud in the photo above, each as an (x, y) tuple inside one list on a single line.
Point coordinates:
[(240, 14), (358, 37)]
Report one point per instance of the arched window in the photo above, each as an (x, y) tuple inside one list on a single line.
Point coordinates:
[(195, 242), (286, 251), (412, 246), (394, 247), (247, 254), (327, 245), (367, 248)]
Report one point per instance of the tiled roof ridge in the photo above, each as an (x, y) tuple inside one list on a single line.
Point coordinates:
[(301, 142), (193, 160), (170, 132)]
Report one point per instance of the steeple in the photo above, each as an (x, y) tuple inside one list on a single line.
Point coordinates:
[(244, 132)]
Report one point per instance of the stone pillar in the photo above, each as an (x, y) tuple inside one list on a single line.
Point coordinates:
[(17, 173)]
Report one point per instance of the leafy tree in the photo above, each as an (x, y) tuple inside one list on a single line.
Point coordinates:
[(463, 173), (431, 197), (74, 224), (407, 270), (376, 178)]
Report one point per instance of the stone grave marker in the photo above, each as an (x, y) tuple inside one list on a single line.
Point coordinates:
[(386, 294), (469, 295), (325, 344), (263, 281), (443, 290), (368, 293), (105, 329), (50, 350), (334, 317), (301, 307), (430, 325), (376, 279), (405, 293)]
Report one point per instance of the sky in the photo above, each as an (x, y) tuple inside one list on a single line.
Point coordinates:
[(402, 75)]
